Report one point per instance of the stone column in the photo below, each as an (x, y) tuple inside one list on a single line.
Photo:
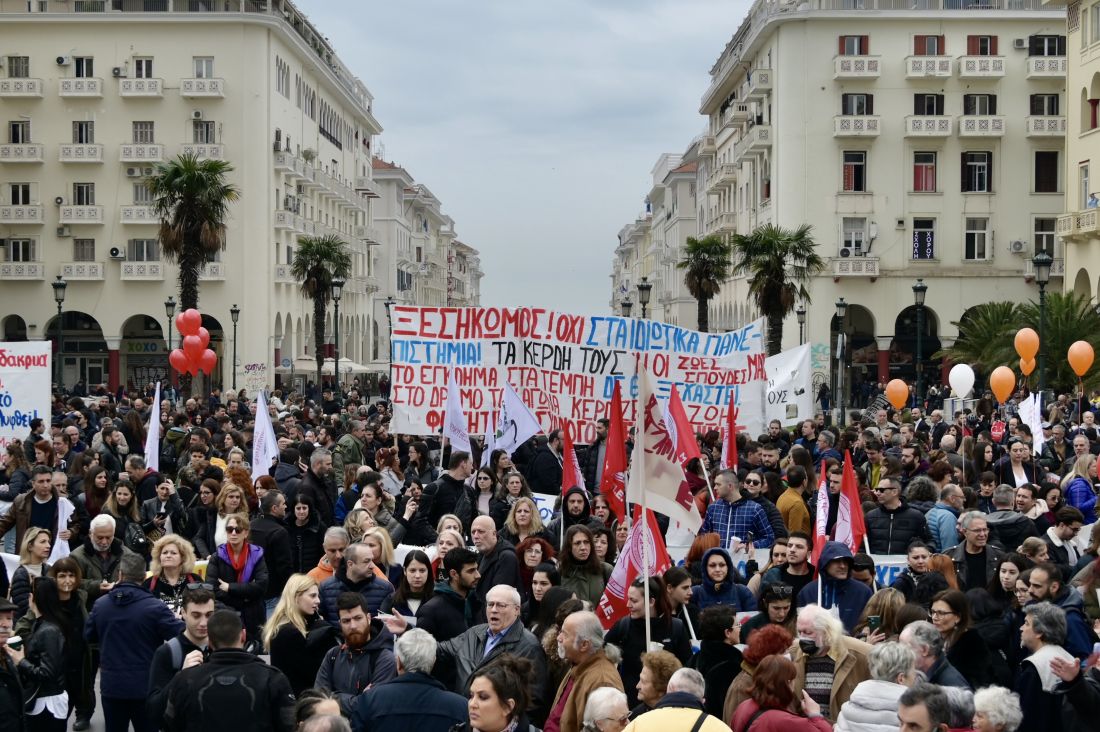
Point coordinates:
[(883, 344), (113, 375)]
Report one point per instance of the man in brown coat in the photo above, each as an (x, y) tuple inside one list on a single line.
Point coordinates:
[(837, 663), (581, 643), (39, 507)]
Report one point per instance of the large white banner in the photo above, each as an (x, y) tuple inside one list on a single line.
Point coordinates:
[(790, 395), (25, 378)]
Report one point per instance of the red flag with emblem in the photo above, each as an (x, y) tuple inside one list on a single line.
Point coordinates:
[(729, 435), (613, 471), (850, 527), (679, 426), (570, 468), (628, 566), (821, 535)]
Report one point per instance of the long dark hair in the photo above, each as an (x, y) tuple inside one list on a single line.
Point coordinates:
[(510, 676), (658, 595), (47, 602), (566, 560), (404, 591)]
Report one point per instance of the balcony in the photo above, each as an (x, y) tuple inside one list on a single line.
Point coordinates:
[(922, 67), (365, 187), (147, 88), (31, 152), (202, 151), (929, 126), (22, 271), (981, 67), (1046, 67), (368, 234), (1046, 126), (1079, 224), (75, 153), (137, 215), (283, 275), (80, 215), (1057, 269), (142, 271), (723, 224), (755, 141), (21, 215), (723, 176), (736, 115), (21, 88), (212, 272), (202, 88), (981, 126), (855, 267), (855, 125), (287, 221), (707, 145), (857, 67), (87, 88), (140, 153), (82, 270), (758, 85)]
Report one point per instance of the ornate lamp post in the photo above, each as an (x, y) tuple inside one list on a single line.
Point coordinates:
[(59, 286), (1042, 262), (626, 306), (234, 314), (919, 291), (170, 313), (800, 313), (337, 292), (644, 289)]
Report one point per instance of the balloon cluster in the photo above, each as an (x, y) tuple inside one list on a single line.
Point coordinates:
[(194, 356)]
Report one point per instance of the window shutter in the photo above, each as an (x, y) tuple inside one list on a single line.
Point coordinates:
[(964, 188), (1061, 45), (993, 104), (1034, 46), (1036, 104), (919, 48), (993, 45), (989, 172), (865, 45), (840, 46), (968, 104), (918, 104), (942, 45), (917, 177), (870, 104), (939, 104), (971, 45)]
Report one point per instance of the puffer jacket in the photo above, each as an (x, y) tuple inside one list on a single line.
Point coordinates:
[(889, 531), (872, 707), (347, 673), (44, 665), (1080, 495), (374, 588), (739, 597), (1009, 529)]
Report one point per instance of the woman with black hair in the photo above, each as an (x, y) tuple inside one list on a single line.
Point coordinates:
[(988, 621), (541, 612), (303, 526), (917, 582), (42, 664), (420, 464), (415, 588), (963, 646), (581, 570), (500, 696), (678, 586)]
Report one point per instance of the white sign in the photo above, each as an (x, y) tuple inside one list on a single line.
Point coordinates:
[(25, 378), (545, 505), (255, 377), (790, 397)]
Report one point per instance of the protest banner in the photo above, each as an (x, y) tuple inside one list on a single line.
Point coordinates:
[(790, 393), (25, 378), (564, 367)]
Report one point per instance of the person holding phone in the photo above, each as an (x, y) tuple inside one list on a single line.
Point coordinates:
[(164, 513)]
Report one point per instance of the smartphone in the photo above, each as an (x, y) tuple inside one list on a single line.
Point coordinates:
[(874, 622)]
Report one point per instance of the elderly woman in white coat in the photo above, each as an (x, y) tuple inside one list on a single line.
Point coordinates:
[(873, 705)]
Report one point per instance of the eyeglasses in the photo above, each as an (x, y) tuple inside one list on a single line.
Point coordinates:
[(753, 482), (199, 586), (942, 613), (234, 530), (625, 719)]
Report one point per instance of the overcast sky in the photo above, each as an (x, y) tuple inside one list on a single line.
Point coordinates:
[(535, 123)]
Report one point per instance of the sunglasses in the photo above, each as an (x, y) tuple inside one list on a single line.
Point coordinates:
[(780, 592), (234, 530), (753, 482), (199, 586)]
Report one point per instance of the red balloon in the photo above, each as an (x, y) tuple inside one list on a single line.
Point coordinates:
[(192, 347), (191, 322), (181, 323), (178, 359), (207, 361), (204, 336)]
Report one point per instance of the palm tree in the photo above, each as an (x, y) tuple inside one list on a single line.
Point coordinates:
[(985, 336), (778, 262), (318, 261), (706, 266), (191, 199)]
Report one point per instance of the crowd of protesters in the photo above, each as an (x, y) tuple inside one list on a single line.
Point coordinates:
[(368, 580)]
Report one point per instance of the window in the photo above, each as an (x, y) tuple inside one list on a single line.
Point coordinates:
[(1083, 184), (977, 239), (19, 194), (143, 250), (924, 238), (979, 104), (19, 67), (84, 133), (1046, 171), (855, 172), (143, 67), (143, 133), (142, 195), (1044, 105), (976, 172), (203, 131), (927, 104), (928, 46), (1044, 235), (83, 194), (853, 237), (981, 45), (924, 172), (1046, 45), (83, 250), (21, 250), (203, 67), (282, 77), (19, 132), (83, 67), (855, 45), (857, 104)]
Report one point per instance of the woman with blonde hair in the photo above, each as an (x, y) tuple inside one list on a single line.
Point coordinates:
[(34, 550), (879, 619), (171, 570), (356, 524), (230, 500), (378, 541), (1034, 549), (1077, 486), (296, 635), (448, 539), (523, 522)]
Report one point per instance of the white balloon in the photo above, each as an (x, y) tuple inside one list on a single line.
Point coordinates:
[(961, 379)]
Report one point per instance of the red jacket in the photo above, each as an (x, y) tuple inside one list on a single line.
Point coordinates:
[(775, 720)]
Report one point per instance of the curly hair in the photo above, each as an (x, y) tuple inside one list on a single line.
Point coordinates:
[(767, 641), (771, 688), (661, 665)]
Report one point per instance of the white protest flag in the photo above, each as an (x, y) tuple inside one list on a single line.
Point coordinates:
[(152, 435), (516, 424), (264, 447), (490, 444), (1031, 413), (656, 477), (454, 422)]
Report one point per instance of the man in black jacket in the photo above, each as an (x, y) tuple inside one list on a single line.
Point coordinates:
[(442, 496), (449, 612), (268, 533), (499, 564), (893, 524), (318, 486), (186, 650), (718, 659), (11, 689), (544, 472), (592, 467), (239, 691)]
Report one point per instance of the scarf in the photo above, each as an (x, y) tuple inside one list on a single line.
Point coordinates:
[(1041, 661), (240, 560)]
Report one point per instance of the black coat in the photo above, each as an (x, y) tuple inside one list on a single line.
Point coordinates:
[(971, 657), (719, 663), (629, 636), (305, 544), (889, 532), (299, 656), (247, 598), (173, 507), (544, 472), (500, 567), (412, 702), (1042, 710), (271, 536), (445, 615), (11, 697), (323, 495), (204, 524), (44, 666)]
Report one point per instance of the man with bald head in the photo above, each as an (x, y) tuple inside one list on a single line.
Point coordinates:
[(498, 565)]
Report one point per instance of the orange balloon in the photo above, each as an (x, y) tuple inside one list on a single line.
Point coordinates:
[(1027, 343), (1027, 365), (1080, 357), (897, 393), (1002, 381)]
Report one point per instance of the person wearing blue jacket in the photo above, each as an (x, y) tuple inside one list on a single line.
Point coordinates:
[(720, 586), (944, 516), (838, 589)]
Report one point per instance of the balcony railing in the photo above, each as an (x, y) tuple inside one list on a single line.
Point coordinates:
[(919, 67), (22, 271), (21, 215), (707, 145), (76, 153), (202, 88), (20, 87), (84, 87), (855, 125), (283, 275), (212, 272), (756, 140), (31, 152), (724, 175), (82, 270), (723, 223), (857, 67), (1057, 268), (855, 267), (981, 126), (1046, 67), (928, 126), (140, 153), (758, 84), (1078, 224), (137, 215), (981, 67), (80, 215), (1046, 126), (147, 271), (368, 234), (141, 87), (202, 151)]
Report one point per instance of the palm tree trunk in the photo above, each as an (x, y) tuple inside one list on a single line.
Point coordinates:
[(319, 335), (701, 313), (189, 298), (775, 333)]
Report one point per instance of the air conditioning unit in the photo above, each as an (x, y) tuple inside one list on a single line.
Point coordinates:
[(59, 200), (133, 172), (899, 224), (196, 114), (116, 72), (1019, 43), (117, 253), (147, 171), (64, 60), (63, 231), (1017, 246), (845, 252)]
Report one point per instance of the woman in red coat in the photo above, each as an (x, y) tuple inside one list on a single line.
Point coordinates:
[(771, 701)]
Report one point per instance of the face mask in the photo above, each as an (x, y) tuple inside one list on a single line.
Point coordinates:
[(809, 646)]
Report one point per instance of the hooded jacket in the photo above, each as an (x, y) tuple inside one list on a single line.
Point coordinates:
[(1010, 528), (872, 707), (347, 672), (1079, 635), (728, 592), (847, 595), (557, 527), (374, 588)]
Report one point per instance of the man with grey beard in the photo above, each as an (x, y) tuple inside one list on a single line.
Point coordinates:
[(580, 642)]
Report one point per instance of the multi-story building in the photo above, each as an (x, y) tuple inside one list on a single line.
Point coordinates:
[(921, 140), (94, 94), (463, 275)]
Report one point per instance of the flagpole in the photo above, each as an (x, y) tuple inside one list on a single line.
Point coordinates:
[(706, 475), (645, 575)]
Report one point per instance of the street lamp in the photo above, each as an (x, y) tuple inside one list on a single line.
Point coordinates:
[(644, 288), (800, 313), (841, 311), (170, 312), (234, 314), (919, 291), (1042, 262), (59, 286), (626, 306), (337, 291)]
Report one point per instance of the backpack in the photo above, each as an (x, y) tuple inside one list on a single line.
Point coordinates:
[(168, 458)]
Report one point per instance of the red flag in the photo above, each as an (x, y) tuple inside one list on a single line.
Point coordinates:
[(613, 470), (729, 435), (822, 518), (850, 528), (570, 468), (687, 447), (629, 564)]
